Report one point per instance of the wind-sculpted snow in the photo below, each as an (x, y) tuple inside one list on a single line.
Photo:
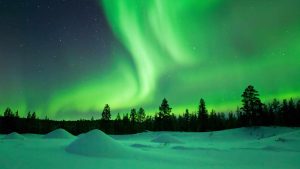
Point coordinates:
[(242, 148), (59, 133), (97, 144), (14, 136)]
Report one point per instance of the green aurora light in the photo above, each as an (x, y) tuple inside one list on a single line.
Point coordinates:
[(184, 50)]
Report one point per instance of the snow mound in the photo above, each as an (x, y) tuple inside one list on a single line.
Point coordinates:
[(95, 143), (15, 136), (166, 138), (59, 133)]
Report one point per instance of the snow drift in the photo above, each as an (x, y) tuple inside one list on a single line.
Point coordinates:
[(15, 136), (95, 143), (59, 133), (166, 138), (255, 148)]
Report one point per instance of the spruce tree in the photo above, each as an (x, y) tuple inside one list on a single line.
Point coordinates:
[(164, 109), (141, 115), (33, 116), (291, 113), (17, 114), (105, 119), (252, 106), (202, 116), (106, 113), (29, 115), (284, 113), (8, 112), (164, 115), (274, 111), (186, 120), (133, 115), (118, 125)]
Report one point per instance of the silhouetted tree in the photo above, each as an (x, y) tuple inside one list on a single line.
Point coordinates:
[(253, 112), (133, 116), (202, 115), (186, 120), (118, 124), (106, 113), (232, 121), (105, 119), (17, 114), (252, 106), (164, 109), (33, 116), (149, 123), (29, 115), (194, 122), (274, 112), (164, 115), (126, 123), (8, 113), (133, 119), (141, 115), (292, 121), (284, 116)]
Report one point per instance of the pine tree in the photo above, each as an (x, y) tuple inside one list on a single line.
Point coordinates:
[(164, 115), (105, 122), (202, 116), (141, 115), (33, 116), (274, 111), (17, 114), (291, 113), (133, 119), (133, 115), (29, 115), (252, 106), (186, 120), (164, 109), (126, 123), (118, 125), (284, 113), (231, 121), (8, 113), (106, 113), (118, 117)]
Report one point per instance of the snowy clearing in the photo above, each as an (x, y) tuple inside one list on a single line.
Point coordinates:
[(253, 148)]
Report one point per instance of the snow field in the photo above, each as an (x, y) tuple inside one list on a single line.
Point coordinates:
[(247, 148)]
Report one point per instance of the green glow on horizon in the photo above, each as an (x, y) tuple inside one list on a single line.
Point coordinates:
[(185, 50), (194, 43)]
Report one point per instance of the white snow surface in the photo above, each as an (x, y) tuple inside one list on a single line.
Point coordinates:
[(59, 134), (14, 136), (98, 144), (242, 148), (166, 139)]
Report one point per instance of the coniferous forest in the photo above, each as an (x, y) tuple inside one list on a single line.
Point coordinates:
[(252, 112)]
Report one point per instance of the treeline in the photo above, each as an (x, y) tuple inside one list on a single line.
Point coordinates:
[(252, 113)]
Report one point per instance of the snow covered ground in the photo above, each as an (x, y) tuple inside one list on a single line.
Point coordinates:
[(253, 148)]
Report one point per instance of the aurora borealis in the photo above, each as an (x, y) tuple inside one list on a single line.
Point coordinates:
[(67, 58)]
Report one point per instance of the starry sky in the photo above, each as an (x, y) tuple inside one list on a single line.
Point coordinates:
[(67, 58)]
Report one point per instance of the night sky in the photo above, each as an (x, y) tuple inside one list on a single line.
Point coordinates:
[(67, 58)]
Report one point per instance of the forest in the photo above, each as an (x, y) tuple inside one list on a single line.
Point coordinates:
[(251, 113)]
